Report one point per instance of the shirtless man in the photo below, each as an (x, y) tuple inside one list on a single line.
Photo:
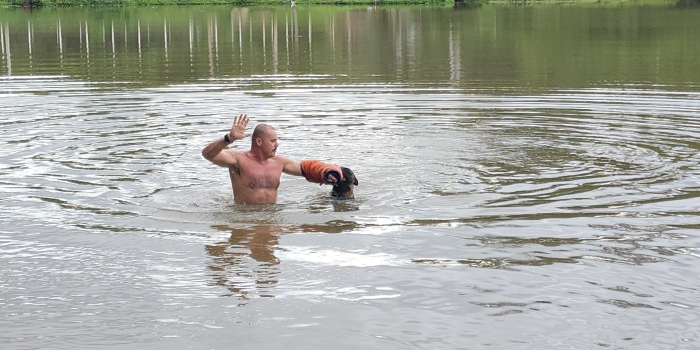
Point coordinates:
[(255, 174)]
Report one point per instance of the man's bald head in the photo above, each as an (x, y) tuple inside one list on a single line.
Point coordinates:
[(261, 131), (264, 135)]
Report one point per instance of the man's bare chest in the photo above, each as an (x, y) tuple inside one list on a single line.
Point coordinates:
[(257, 176)]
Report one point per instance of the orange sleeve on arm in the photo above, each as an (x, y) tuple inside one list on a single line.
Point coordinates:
[(316, 171)]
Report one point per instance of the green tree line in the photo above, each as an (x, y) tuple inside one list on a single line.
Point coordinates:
[(39, 3)]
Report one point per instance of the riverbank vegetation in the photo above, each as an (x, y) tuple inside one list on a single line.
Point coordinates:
[(107, 3), (56, 3), (215, 2)]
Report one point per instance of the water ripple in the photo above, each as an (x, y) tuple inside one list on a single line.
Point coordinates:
[(524, 195)]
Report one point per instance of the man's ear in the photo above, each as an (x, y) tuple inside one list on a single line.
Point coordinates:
[(258, 141)]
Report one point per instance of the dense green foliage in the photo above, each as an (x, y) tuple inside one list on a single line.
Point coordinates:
[(459, 3), (466, 3), (214, 2)]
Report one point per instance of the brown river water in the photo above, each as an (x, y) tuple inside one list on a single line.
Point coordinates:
[(529, 178)]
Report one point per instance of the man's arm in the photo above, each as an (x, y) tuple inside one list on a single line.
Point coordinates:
[(217, 152), (313, 171), (291, 167)]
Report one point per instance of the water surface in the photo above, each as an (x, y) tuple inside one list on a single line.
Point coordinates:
[(528, 178)]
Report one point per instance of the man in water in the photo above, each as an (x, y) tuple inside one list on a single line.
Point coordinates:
[(255, 174)]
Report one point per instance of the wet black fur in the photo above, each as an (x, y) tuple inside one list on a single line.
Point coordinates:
[(344, 188)]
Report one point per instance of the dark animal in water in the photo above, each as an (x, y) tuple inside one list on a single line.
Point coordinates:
[(344, 189)]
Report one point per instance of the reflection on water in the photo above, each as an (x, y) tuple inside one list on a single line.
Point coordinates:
[(246, 263), (529, 178), (246, 247), (490, 47)]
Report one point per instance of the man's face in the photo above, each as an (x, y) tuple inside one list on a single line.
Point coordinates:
[(269, 143)]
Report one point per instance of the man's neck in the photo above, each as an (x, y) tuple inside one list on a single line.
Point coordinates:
[(257, 155)]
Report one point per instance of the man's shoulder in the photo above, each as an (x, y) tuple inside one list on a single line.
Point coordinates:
[(235, 154), (282, 159)]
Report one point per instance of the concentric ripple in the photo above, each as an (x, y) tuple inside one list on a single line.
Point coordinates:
[(494, 205)]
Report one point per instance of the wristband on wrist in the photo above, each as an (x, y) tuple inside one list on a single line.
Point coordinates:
[(227, 139)]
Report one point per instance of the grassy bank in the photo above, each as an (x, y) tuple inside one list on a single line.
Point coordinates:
[(214, 2), (59, 3)]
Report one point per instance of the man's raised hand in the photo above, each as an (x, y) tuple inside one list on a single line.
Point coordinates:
[(238, 129)]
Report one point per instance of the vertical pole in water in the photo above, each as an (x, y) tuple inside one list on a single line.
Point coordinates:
[(216, 38), (311, 56), (250, 39), (2, 38), (233, 41), (60, 42), (59, 37), (398, 53), (138, 42), (275, 44), (165, 36), (29, 39), (113, 44), (333, 35), (8, 55), (87, 43), (114, 56), (455, 59), (138, 32), (295, 28), (240, 43), (209, 46), (264, 36), (126, 46), (411, 47), (348, 28), (191, 38), (126, 36)]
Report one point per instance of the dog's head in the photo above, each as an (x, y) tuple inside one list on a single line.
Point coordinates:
[(344, 188)]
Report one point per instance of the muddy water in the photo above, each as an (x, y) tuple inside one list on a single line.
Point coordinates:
[(529, 178)]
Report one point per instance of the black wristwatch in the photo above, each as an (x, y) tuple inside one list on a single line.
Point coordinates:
[(227, 139)]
